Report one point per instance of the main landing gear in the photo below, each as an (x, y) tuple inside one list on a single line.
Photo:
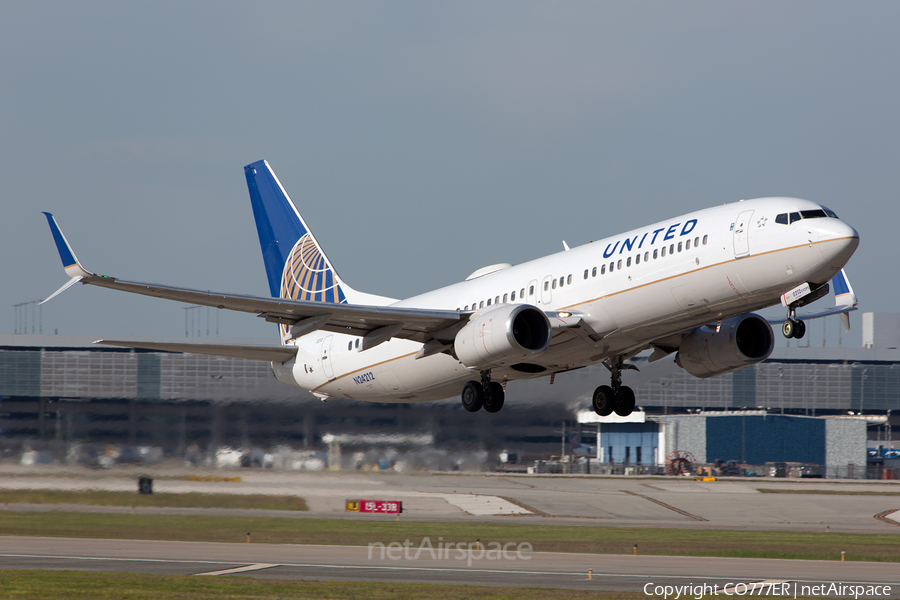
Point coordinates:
[(487, 394), (793, 327), (615, 397)]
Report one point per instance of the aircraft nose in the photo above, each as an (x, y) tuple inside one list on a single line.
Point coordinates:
[(840, 240)]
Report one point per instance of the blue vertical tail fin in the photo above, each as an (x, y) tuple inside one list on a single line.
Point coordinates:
[(296, 266)]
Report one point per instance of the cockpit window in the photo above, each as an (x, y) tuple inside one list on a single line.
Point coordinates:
[(785, 218)]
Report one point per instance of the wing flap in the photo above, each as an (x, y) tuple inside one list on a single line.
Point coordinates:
[(279, 354)]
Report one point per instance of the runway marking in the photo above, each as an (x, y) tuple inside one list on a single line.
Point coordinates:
[(883, 516), (663, 504), (256, 567)]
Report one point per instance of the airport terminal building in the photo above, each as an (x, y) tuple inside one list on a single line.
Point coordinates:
[(64, 389)]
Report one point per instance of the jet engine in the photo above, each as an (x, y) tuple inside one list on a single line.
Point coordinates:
[(740, 342), (501, 335)]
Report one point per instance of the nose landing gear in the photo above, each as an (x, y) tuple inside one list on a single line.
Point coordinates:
[(793, 327)]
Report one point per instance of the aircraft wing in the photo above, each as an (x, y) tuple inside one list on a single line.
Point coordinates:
[(379, 323)]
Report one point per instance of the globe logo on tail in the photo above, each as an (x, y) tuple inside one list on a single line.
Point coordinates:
[(308, 276)]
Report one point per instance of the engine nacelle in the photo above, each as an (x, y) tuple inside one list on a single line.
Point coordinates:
[(741, 342), (502, 335)]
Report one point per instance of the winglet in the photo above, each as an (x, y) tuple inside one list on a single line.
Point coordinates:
[(843, 293), (843, 296), (70, 262)]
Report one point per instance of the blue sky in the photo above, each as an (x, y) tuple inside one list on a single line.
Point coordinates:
[(422, 141)]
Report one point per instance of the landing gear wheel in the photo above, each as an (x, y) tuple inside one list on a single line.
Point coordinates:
[(473, 396), (603, 401), (493, 401), (788, 327), (799, 329), (625, 401)]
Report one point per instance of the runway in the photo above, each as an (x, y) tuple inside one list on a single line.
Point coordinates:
[(517, 567), (846, 506)]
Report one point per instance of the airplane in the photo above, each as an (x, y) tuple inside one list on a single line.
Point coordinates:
[(689, 285)]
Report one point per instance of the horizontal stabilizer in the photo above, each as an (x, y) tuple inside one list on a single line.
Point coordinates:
[(278, 354)]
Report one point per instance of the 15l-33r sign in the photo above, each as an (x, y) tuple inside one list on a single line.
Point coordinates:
[(374, 506)]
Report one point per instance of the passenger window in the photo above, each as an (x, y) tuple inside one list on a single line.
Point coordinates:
[(569, 280), (585, 273), (687, 245), (628, 262), (350, 345), (672, 249), (522, 292), (781, 219), (357, 343), (497, 300), (594, 272), (637, 259), (612, 266), (513, 297), (481, 305), (505, 296), (531, 290), (466, 307), (619, 264), (704, 239), (663, 251), (554, 284), (696, 242), (547, 285), (489, 301), (795, 217), (646, 256), (679, 246), (562, 281), (655, 254), (603, 269)]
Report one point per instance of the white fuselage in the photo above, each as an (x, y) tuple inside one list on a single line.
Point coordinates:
[(631, 289)]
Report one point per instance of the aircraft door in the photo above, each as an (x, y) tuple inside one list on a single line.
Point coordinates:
[(741, 229), (327, 367), (546, 296)]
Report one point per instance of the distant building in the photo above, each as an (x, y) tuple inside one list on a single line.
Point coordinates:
[(65, 388), (881, 330)]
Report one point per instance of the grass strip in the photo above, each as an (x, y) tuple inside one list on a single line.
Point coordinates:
[(543, 538), (27, 585), (827, 492), (187, 500)]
